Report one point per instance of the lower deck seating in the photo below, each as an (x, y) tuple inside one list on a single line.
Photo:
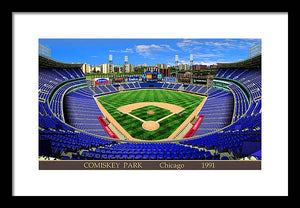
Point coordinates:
[(147, 151), (81, 111), (217, 112), (81, 134)]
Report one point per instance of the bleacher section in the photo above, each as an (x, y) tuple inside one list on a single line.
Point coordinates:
[(55, 135), (242, 135), (174, 86), (59, 143), (241, 102), (130, 86), (137, 85), (177, 86), (81, 111), (101, 89), (249, 78), (56, 104), (147, 151), (217, 112)]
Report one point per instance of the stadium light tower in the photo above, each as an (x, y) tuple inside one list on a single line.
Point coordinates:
[(110, 59), (110, 64), (44, 50), (176, 61), (191, 61), (254, 50)]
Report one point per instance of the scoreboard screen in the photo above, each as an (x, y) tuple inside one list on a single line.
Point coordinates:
[(151, 77)]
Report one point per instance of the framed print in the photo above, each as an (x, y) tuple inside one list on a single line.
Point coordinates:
[(181, 104), (150, 103)]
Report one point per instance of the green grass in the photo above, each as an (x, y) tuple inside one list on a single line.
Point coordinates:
[(142, 113), (134, 126)]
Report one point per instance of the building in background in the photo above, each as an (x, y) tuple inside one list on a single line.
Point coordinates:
[(183, 67), (199, 67), (127, 68), (107, 68), (86, 68), (166, 72), (104, 68), (95, 68), (161, 66), (117, 68), (213, 66), (91, 68), (44, 51)]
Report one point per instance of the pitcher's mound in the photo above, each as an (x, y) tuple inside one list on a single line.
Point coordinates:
[(150, 125), (150, 112)]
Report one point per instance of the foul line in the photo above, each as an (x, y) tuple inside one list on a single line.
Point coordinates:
[(193, 104), (165, 117), (112, 106), (190, 106), (136, 117)]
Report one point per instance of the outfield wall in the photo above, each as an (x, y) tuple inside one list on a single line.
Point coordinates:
[(149, 85)]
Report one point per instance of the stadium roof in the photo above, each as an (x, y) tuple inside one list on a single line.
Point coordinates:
[(254, 62), (45, 62)]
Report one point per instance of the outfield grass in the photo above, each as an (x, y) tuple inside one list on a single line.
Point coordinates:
[(134, 126)]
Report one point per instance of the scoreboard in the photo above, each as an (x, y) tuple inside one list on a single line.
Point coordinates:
[(151, 76)]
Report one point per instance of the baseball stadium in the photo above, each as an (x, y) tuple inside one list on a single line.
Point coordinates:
[(150, 117)]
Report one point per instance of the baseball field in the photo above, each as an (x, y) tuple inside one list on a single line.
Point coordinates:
[(151, 114)]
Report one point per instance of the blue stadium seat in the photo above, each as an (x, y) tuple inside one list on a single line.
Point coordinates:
[(65, 158), (62, 121), (97, 156)]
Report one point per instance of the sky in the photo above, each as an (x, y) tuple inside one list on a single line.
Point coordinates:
[(149, 51)]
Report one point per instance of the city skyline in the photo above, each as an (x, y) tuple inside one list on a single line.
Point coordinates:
[(150, 51)]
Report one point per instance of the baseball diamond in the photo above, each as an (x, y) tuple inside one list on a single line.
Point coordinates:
[(169, 110), (150, 113)]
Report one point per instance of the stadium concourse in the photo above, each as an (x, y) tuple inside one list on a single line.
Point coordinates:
[(70, 127)]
